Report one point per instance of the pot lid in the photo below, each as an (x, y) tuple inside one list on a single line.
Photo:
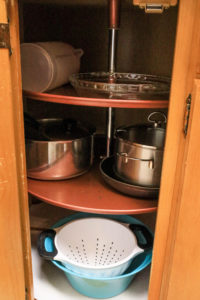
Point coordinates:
[(65, 129), (56, 129), (143, 135), (150, 134)]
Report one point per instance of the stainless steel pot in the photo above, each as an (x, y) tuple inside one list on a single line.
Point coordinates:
[(139, 153), (58, 149)]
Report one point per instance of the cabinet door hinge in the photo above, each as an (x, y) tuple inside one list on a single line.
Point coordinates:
[(5, 36), (154, 8), (187, 114)]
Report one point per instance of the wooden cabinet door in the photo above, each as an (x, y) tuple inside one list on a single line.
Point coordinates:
[(174, 274), (176, 250), (15, 266), (183, 270)]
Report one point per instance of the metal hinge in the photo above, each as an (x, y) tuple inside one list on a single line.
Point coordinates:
[(154, 8), (5, 37), (187, 114)]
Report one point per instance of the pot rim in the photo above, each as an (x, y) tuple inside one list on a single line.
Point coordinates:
[(140, 145), (59, 141)]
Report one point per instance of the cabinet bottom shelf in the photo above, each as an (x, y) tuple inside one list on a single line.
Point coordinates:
[(89, 193), (50, 283)]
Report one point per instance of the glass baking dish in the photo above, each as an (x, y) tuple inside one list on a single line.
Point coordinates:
[(121, 85)]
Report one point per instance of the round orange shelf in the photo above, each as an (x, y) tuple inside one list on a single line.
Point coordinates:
[(89, 193), (67, 95)]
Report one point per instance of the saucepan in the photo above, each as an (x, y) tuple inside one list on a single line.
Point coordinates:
[(58, 148), (139, 151)]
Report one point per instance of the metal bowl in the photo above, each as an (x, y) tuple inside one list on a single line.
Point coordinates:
[(66, 154), (120, 85)]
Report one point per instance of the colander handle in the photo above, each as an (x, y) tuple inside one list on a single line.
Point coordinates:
[(45, 244), (143, 236)]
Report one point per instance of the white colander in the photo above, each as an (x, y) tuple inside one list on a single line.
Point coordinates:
[(95, 246)]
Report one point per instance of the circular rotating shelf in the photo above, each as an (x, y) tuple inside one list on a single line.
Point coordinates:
[(89, 193), (67, 95)]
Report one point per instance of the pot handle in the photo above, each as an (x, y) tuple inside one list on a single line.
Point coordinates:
[(157, 122), (45, 244), (126, 158), (143, 236)]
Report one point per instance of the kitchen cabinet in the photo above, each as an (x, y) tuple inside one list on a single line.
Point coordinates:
[(176, 259)]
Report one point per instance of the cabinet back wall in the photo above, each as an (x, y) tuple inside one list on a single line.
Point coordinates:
[(145, 43)]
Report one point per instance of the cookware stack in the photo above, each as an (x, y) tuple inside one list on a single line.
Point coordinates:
[(135, 168), (100, 255), (58, 149)]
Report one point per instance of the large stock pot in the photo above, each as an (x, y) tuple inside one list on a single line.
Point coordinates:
[(139, 152), (58, 148)]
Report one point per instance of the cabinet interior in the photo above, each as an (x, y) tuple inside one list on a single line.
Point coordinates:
[(145, 45)]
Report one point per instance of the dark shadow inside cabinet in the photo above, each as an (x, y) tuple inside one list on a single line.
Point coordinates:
[(145, 45)]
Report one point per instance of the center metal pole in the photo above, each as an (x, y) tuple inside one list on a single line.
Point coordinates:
[(113, 28), (112, 48)]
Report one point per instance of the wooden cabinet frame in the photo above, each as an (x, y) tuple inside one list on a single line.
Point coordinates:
[(15, 271), (185, 70), (176, 249)]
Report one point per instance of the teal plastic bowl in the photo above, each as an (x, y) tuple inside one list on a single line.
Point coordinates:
[(103, 288)]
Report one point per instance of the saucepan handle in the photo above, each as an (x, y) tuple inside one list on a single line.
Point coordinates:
[(143, 236), (126, 158), (46, 246)]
